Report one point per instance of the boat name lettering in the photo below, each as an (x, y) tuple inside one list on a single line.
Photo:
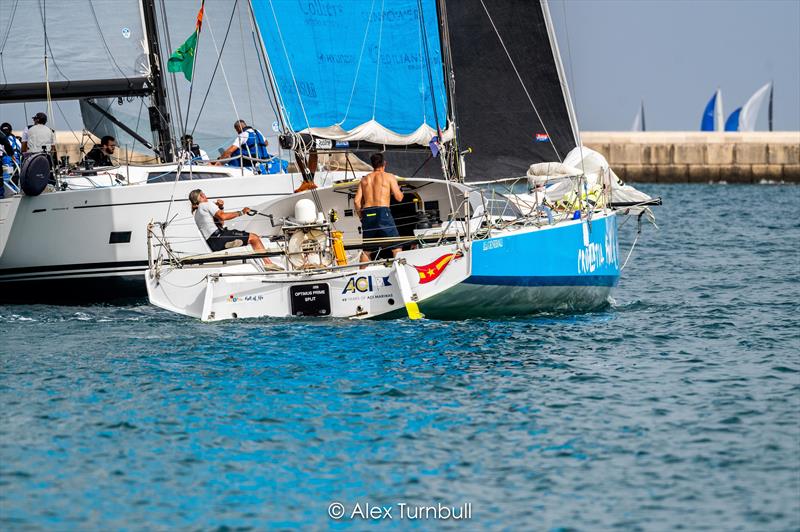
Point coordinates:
[(235, 299), (492, 244), (594, 255), (310, 294)]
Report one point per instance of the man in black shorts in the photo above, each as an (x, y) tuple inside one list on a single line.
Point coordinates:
[(206, 214), (372, 205)]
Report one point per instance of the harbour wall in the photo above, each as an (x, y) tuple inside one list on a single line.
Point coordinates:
[(700, 157)]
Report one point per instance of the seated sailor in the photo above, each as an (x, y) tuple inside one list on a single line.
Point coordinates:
[(191, 152), (249, 149), (101, 154), (218, 238), (372, 206)]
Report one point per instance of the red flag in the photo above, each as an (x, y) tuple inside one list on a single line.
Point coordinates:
[(199, 23), (429, 272)]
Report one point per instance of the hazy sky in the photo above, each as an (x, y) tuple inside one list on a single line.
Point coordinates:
[(674, 54)]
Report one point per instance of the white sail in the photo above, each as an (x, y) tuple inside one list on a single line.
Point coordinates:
[(719, 115), (750, 110)]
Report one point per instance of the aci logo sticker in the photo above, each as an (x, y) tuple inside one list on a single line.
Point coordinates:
[(365, 284)]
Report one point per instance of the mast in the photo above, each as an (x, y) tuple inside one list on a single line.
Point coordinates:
[(159, 112), (450, 82)]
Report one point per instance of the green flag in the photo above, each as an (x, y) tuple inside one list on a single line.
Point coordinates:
[(182, 59)]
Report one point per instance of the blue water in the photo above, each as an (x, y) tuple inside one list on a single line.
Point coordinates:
[(677, 407)]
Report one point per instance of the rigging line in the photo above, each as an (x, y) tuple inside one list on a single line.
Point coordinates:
[(426, 44), (289, 63), (263, 73), (67, 122), (378, 62), (42, 15), (105, 44), (173, 77), (246, 70), (43, 12), (261, 68), (572, 75), (519, 77), (219, 56), (138, 119), (214, 72), (358, 65), (5, 40), (194, 63)]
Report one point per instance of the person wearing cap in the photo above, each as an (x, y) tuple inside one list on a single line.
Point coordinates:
[(16, 147), (10, 153), (39, 137)]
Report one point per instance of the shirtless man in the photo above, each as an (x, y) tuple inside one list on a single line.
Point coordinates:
[(372, 206)]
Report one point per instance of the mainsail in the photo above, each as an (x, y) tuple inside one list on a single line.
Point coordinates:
[(361, 70), (371, 70), (107, 57)]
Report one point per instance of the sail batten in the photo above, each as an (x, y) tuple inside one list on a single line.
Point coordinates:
[(366, 70)]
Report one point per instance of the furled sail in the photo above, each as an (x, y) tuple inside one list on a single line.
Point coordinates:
[(361, 70), (106, 56), (513, 107)]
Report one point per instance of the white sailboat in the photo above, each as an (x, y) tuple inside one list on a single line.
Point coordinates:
[(419, 93), (84, 235)]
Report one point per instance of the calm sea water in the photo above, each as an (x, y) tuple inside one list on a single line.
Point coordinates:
[(677, 407)]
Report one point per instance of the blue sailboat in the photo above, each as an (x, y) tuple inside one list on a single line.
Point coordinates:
[(503, 212), (713, 116)]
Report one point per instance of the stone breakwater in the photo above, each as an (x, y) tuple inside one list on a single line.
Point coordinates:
[(698, 157)]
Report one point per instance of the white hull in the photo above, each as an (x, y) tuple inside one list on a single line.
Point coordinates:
[(222, 292), (100, 233)]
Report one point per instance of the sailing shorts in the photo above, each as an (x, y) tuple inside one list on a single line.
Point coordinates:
[(377, 222), (227, 238)]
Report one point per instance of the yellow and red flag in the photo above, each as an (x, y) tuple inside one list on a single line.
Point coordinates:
[(429, 272)]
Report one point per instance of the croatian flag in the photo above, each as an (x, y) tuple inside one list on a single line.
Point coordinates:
[(542, 137)]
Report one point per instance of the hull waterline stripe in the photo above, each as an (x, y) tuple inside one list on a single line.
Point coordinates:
[(566, 280)]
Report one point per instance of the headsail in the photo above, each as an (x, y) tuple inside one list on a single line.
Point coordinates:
[(750, 110), (107, 57), (713, 116), (513, 107), (638, 121), (366, 70)]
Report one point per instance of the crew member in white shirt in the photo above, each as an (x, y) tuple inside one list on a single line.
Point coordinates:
[(219, 238), (39, 137)]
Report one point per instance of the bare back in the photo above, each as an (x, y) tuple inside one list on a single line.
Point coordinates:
[(376, 190)]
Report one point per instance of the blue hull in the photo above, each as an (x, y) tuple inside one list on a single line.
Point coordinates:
[(567, 267)]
